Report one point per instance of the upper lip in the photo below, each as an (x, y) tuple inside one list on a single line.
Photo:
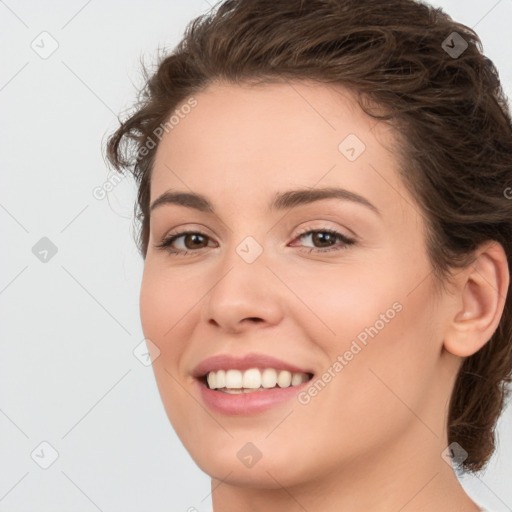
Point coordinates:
[(253, 360)]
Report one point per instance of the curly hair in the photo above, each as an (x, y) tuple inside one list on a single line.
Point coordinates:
[(411, 66)]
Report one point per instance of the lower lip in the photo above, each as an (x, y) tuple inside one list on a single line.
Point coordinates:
[(242, 404)]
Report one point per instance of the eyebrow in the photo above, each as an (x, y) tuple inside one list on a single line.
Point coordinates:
[(281, 201)]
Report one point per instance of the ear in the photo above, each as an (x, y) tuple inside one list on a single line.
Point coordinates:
[(481, 292)]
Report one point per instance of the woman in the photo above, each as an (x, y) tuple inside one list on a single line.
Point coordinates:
[(327, 236)]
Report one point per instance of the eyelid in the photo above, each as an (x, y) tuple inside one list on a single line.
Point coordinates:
[(200, 228), (351, 235)]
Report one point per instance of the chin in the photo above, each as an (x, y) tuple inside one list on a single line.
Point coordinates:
[(257, 465)]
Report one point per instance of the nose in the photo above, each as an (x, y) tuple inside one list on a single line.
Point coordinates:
[(244, 295)]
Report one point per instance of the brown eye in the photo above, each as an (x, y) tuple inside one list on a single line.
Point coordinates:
[(325, 240), (191, 240), (194, 240)]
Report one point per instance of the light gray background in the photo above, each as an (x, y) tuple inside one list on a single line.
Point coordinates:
[(69, 325)]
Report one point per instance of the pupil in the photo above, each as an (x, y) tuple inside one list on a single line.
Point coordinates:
[(324, 236), (195, 237)]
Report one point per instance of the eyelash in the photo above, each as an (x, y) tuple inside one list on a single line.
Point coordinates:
[(166, 243)]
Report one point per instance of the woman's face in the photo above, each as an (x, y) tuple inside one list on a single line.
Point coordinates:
[(356, 310)]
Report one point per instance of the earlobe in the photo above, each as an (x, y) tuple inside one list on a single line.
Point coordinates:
[(482, 291)]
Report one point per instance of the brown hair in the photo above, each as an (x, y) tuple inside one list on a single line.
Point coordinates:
[(436, 88)]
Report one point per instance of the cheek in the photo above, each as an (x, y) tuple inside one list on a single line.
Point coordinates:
[(388, 368), (164, 302), (386, 303), (383, 345), (165, 308), (156, 304), (347, 300)]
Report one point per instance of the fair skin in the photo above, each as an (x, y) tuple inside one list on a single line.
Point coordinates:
[(372, 438)]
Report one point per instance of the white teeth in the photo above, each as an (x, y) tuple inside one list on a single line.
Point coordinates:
[(233, 379), (212, 380), (269, 378), (220, 379), (284, 379), (251, 379), (236, 381), (296, 379)]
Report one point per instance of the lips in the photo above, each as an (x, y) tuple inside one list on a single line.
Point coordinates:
[(242, 402)]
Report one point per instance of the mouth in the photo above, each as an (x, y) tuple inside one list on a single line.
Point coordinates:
[(253, 380), (250, 384)]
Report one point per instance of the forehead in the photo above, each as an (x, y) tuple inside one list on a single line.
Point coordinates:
[(256, 140), (276, 118)]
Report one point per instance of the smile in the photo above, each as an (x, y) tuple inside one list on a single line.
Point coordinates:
[(253, 380), (248, 384)]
